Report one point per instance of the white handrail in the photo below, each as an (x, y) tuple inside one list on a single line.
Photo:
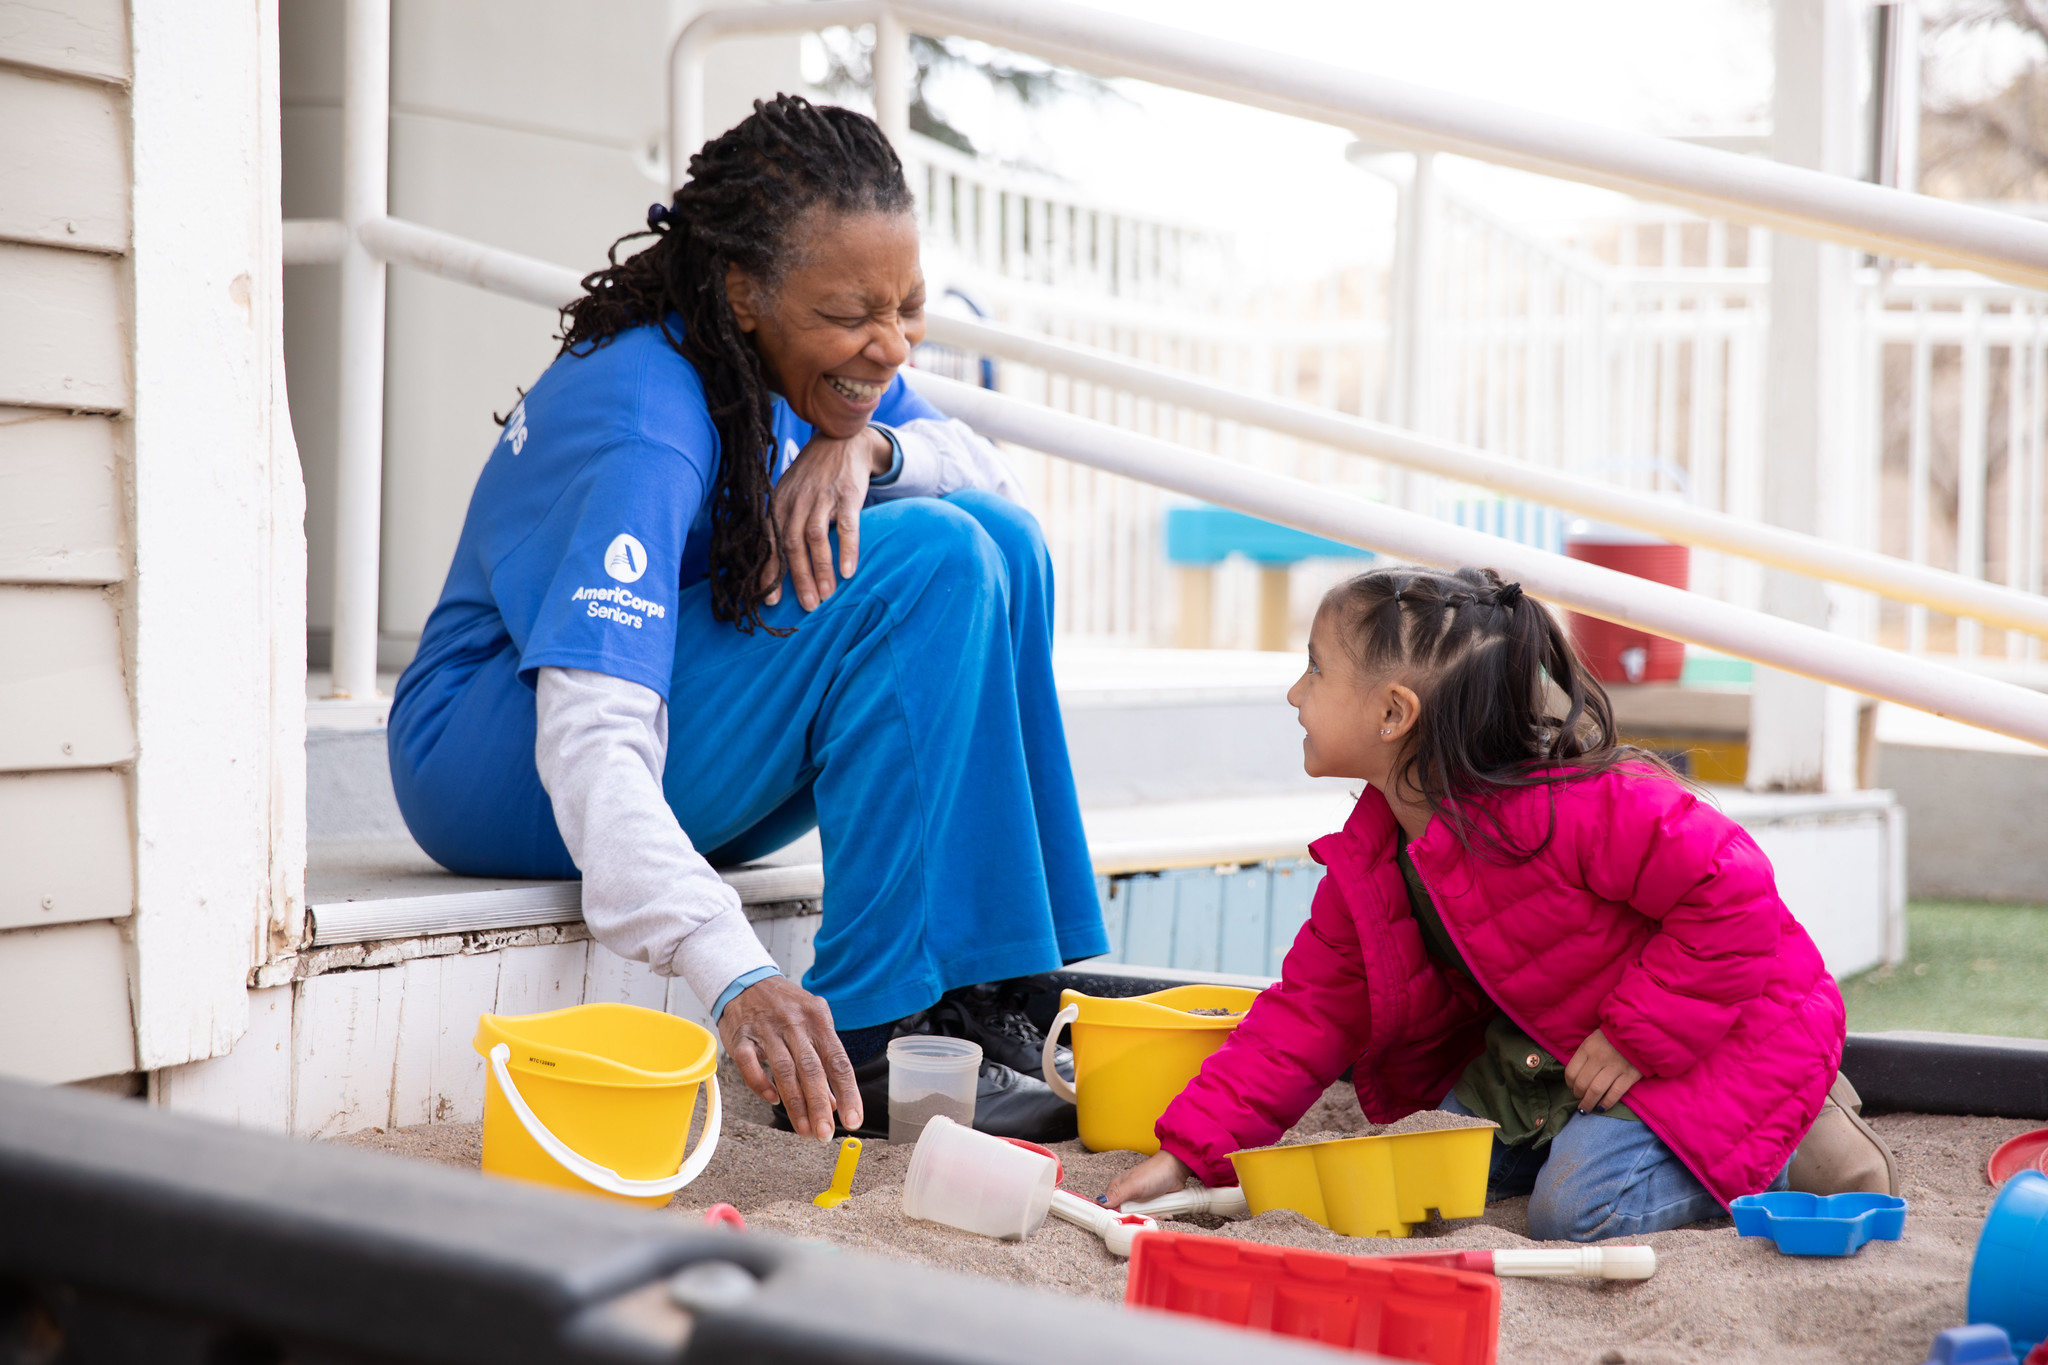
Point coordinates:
[(552, 286), (1938, 588), (473, 263), (1612, 596), (1885, 221), (1620, 597)]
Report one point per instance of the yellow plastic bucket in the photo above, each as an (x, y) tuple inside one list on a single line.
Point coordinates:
[(597, 1098), (1133, 1055), (1372, 1186)]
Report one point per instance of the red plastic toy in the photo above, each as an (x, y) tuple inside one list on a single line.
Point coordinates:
[(724, 1215), (2027, 1152), (1371, 1304)]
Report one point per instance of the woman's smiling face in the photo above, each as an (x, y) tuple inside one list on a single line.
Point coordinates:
[(840, 322)]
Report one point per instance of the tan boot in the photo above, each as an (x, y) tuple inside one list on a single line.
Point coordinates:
[(1841, 1154)]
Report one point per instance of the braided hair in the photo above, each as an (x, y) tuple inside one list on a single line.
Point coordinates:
[(744, 204), (1493, 667)]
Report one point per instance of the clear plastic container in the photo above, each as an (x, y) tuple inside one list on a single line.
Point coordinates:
[(931, 1076), (978, 1183)]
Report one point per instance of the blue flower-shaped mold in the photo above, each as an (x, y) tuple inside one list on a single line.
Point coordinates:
[(1820, 1225)]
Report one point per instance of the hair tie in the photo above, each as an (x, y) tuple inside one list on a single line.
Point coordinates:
[(657, 214), (1507, 594)]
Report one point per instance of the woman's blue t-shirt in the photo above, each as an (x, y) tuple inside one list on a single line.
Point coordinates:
[(591, 516)]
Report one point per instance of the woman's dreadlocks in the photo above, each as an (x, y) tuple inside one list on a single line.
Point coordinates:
[(748, 190)]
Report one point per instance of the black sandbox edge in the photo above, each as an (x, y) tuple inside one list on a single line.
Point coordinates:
[(1950, 1073)]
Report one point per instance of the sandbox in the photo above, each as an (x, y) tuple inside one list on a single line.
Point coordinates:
[(1715, 1297)]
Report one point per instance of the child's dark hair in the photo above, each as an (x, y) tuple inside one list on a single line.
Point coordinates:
[(1492, 667), (747, 192)]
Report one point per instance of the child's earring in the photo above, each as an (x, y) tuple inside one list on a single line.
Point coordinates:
[(1386, 732)]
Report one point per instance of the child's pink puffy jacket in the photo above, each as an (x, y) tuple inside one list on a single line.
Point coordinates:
[(1650, 915)]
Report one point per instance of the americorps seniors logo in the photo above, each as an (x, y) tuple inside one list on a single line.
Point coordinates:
[(625, 559)]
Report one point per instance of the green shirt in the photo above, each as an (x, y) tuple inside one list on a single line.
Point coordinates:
[(1513, 1082)]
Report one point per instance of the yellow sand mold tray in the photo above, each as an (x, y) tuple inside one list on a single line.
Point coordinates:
[(1372, 1186), (1133, 1055), (597, 1099)]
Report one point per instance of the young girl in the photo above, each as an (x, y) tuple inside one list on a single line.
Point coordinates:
[(1513, 888)]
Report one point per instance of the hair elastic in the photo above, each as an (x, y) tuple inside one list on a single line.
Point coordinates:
[(1507, 595), (657, 214)]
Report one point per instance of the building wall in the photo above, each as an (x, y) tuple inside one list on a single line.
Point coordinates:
[(67, 734), (527, 125), (149, 542)]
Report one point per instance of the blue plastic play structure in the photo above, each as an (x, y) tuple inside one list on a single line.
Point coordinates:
[(1197, 536), (1820, 1225), (2009, 1278), (1980, 1343)]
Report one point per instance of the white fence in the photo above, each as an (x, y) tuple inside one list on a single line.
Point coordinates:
[(1038, 254), (1632, 351)]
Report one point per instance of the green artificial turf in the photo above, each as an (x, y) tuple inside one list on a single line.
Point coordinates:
[(1970, 968)]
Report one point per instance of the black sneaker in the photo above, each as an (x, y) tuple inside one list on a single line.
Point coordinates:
[(993, 1015), (1008, 1103)]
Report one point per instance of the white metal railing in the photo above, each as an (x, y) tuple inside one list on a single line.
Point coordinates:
[(1678, 521), (1120, 276), (1884, 221), (1762, 192), (1765, 639)]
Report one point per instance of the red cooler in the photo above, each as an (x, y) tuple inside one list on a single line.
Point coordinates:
[(1620, 654)]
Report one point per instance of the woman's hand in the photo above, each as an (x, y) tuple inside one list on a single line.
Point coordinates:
[(1598, 1074), (825, 486), (1160, 1173), (776, 1026)]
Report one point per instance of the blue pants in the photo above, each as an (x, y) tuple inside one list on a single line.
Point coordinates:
[(911, 718), (1599, 1178)]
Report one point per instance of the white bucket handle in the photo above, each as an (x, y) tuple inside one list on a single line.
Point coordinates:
[(1053, 1078), (589, 1171)]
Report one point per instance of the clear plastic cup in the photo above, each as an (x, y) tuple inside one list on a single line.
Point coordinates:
[(931, 1076), (978, 1183)]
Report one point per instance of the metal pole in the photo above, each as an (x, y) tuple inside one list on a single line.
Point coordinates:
[(1425, 455), (1609, 594), (1713, 183), (359, 464), (892, 78)]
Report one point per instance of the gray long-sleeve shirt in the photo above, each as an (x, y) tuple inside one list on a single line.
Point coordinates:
[(602, 747)]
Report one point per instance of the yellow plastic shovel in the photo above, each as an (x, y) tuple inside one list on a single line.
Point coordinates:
[(841, 1188)]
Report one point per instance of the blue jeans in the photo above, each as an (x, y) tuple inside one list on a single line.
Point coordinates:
[(1599, 1178), (911, 719)]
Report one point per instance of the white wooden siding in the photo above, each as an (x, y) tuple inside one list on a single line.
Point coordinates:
[(65, 850), (64, 1003), (391, 1046), (438, 1076), (251, 1087), (63, 693), (344, 1049), (60, 498), (64, 160), (82, 37), (64, 345)]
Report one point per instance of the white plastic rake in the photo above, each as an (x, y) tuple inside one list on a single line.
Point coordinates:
[(1586, 1263)]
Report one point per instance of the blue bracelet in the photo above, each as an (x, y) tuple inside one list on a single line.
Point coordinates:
[(895, 458), (740, 983)]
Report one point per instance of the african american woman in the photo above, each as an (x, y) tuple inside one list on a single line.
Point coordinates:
[(724, 578)]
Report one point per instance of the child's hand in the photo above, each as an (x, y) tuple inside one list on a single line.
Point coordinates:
[(1598, 1074), (1160, 1173)]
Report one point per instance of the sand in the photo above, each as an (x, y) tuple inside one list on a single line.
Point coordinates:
[(1715, 1297)]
